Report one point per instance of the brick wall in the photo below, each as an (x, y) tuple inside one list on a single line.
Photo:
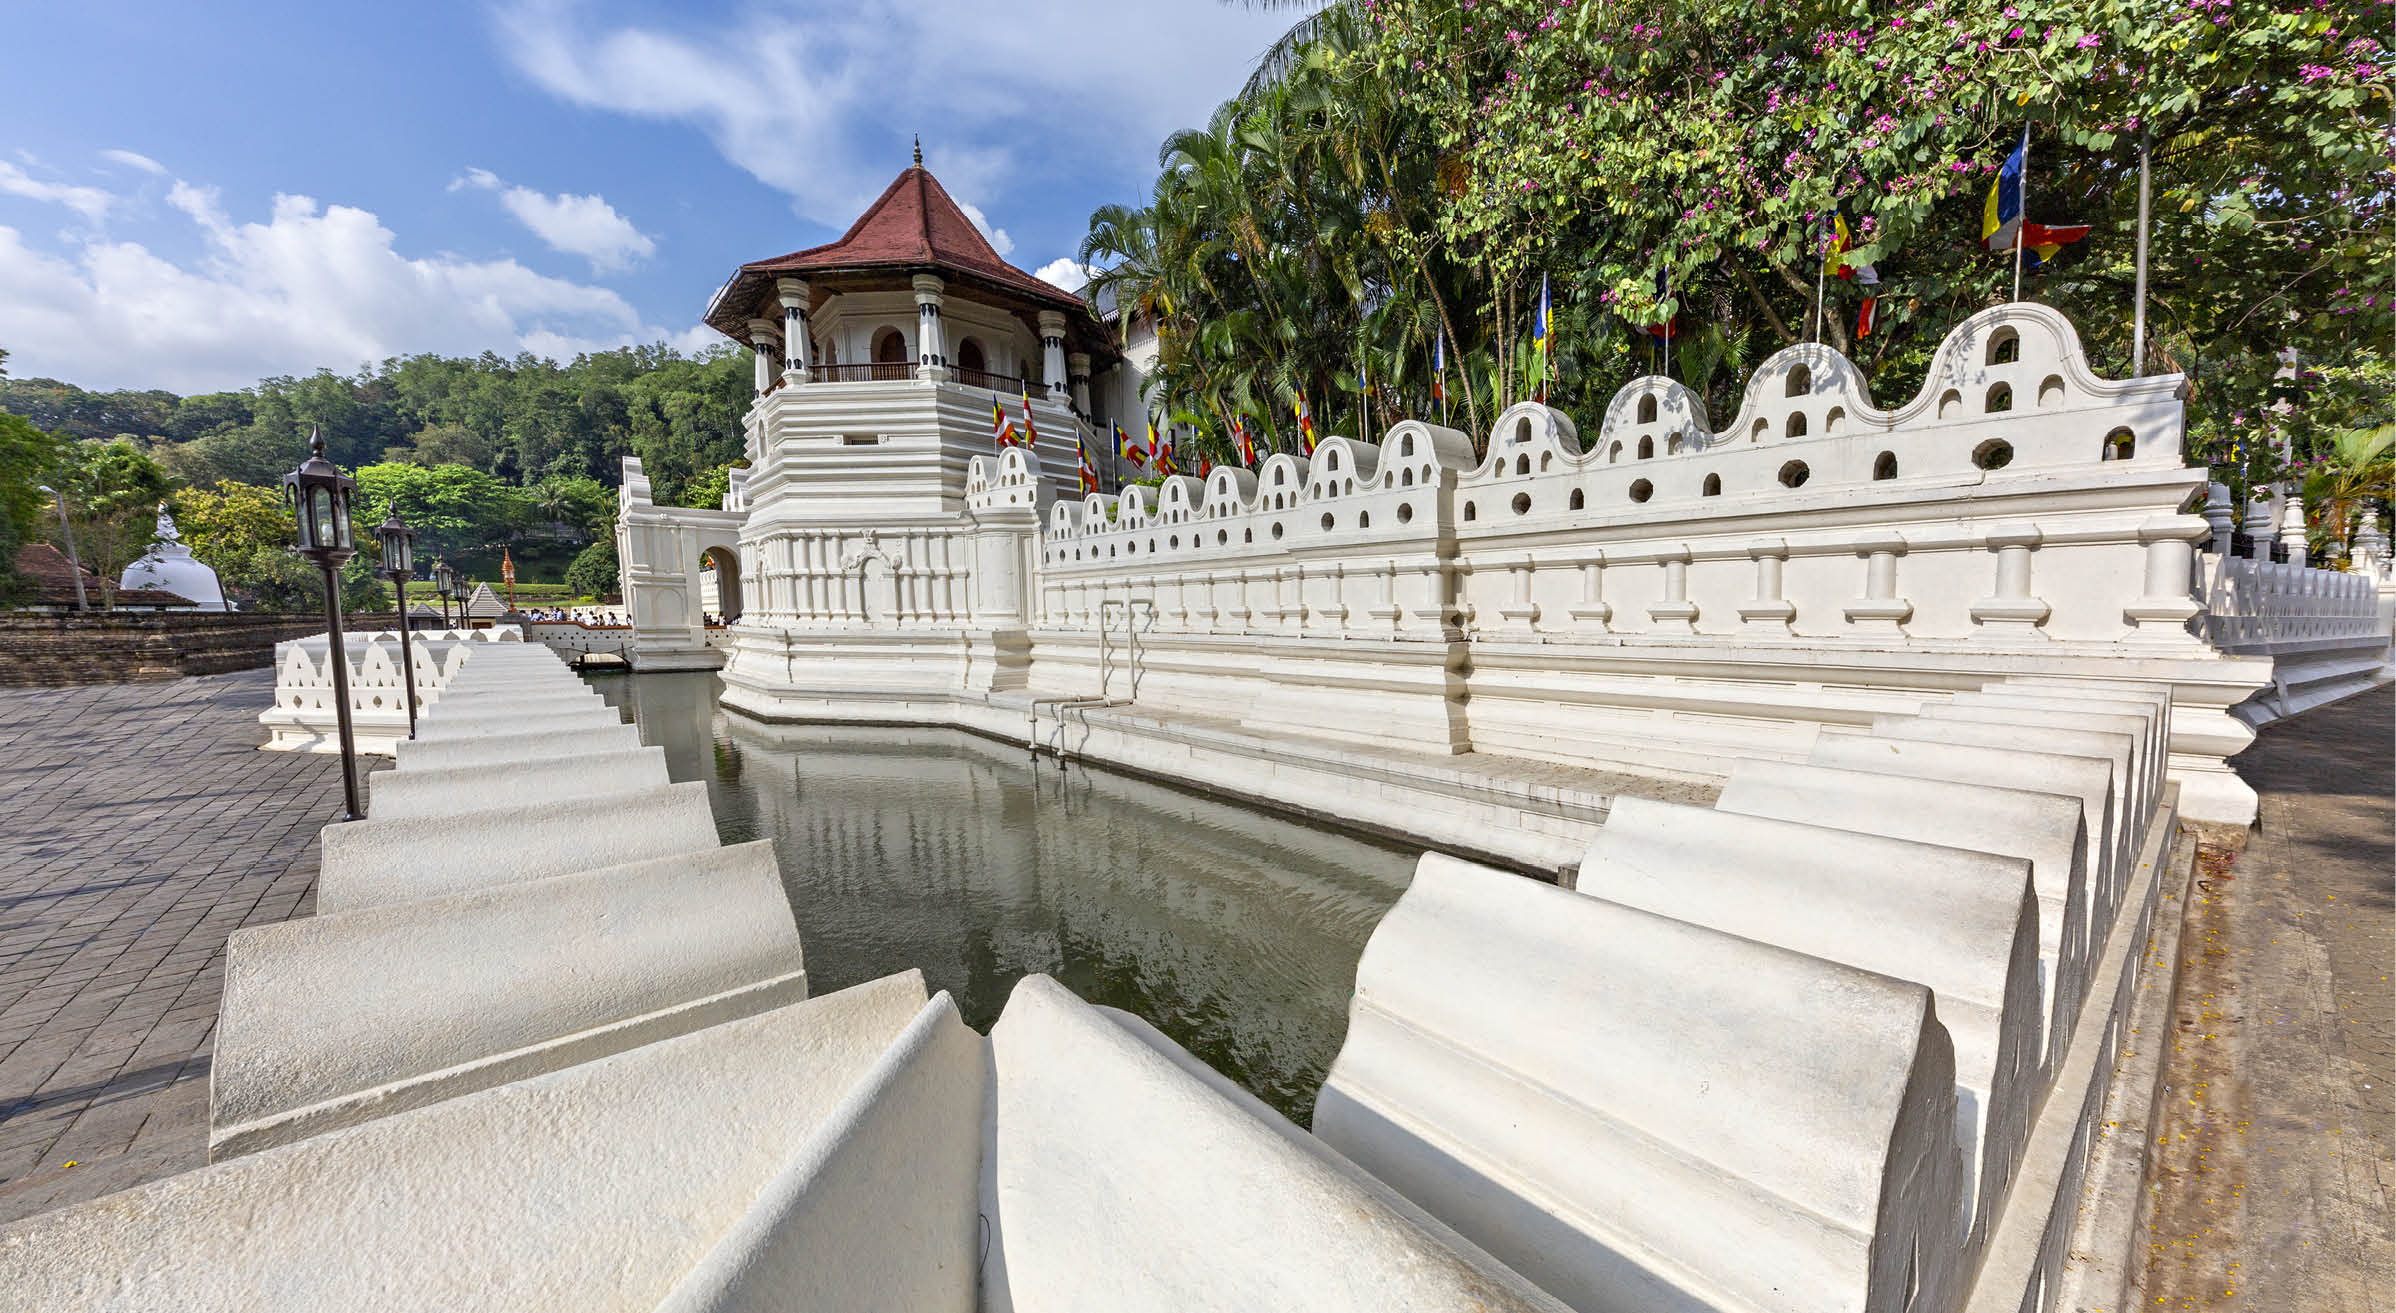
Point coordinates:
[(51, 648)]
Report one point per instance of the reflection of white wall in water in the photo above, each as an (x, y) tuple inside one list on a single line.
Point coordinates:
[(950, 852)]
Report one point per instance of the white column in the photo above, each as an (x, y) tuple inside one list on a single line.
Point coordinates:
[(1077, 369), (2221, 517), (2258, 525), (1675, 613), (1880, 610), (2012, 612), (2292, 527), (931, 349), (1052, 353), (798, 337), (1768, 612), (2166, 607), (761, 339), (1593, 609)]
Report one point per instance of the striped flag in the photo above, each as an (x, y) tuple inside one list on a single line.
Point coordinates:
[(1156, 446), (1163, 447), (1031, 434), (1541, 332), (1305, 428), (1000, 430), (1126, 449), (1089, 475), (1241, 439)]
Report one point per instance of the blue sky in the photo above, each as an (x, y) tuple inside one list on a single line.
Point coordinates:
[(194, 196)]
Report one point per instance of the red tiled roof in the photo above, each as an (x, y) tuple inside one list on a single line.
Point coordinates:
[(915, 225), (52, 578)]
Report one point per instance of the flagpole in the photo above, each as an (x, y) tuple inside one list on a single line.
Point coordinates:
[(1819, 261), (2138, 320), (2021, 219)]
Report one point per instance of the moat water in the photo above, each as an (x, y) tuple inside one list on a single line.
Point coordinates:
[(1232, 930)]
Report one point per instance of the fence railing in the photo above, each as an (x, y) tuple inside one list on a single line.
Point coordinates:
[(865, 373), (2255, 604)]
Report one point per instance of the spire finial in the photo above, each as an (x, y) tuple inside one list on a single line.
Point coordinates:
[(315, 441), (919, 150)]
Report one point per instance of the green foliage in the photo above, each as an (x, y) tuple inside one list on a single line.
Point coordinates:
[(25, 452), (231, 518), (706, 490), (594, 573), (453, 509), (113, 491), (522, 421), (1410, 166)]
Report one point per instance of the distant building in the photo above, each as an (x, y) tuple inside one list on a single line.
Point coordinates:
[(50, 580)]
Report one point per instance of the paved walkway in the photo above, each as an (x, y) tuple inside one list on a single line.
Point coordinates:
[(2275, 1179), (139, 826)]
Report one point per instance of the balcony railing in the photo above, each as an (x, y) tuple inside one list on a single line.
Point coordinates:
[(867, 373), (982, 378)]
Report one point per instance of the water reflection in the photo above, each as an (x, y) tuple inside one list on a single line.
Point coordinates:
[(1234, 931)]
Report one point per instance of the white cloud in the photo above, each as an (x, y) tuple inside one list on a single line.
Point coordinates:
[(1065, 272), (90, 202), (578, 225), (311, 286), (999, 241), (136, 160), (819, 101)]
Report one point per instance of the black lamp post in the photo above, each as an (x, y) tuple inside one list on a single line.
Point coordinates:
[(446, 577), (399, 562), (318, 495)]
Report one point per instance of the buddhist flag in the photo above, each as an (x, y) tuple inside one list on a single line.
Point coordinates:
[(1163, 448), (1031, 434), (1439, 373), (1089, 475), (2001, 215), (1000, 429), (1840, 243), (1245, 443), (1540, 334), (1305, 428), (1126, 449), (1867, 317)]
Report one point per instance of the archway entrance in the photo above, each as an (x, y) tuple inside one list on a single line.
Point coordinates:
[(723, 566)]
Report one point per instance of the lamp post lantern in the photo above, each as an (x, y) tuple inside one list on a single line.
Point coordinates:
[(399, 562), (74, 564), (447, 577), (318, 494)]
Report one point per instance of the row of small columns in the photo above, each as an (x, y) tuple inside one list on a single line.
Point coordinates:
[(2011, 611), (792, 343)]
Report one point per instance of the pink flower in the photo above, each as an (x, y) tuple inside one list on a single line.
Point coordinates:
[(2089, 42)]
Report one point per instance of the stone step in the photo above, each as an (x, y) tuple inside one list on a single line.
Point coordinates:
[(344, 1017)]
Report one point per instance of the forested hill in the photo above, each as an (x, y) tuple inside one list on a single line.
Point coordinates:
[(525, 421)]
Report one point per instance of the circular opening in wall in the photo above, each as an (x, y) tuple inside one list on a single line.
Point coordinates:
[(1522, 503), (1130, 548), (1222, 537), (1794, 474), (1994, 454), (1276, 530), (1326, 523), (1641, 490), (1405, 512), (1174, 542)]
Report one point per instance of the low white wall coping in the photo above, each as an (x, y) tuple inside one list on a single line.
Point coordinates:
[(2043, 829), (372, 862), (1963, 923), (536, 720), (535, 745), (1120, 1180), (593, 1188), (1635, 1112), (338, 1018), (516, 783)]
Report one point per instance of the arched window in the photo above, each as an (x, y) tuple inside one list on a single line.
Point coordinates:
[(1647, 410), (1647, 448), (970, 356), (1884, 466), (1713, 486), (1801, 381), (2004, 347), (1796, 428), (890, 348), (2120, 445), (2000, 397)]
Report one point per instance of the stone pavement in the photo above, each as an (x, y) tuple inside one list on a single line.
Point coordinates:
[(2275, 1177), (139, 826)]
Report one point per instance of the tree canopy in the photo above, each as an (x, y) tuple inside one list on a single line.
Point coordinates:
[(1400, 170)]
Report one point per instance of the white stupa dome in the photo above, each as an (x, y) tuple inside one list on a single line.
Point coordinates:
[(171, 567)]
